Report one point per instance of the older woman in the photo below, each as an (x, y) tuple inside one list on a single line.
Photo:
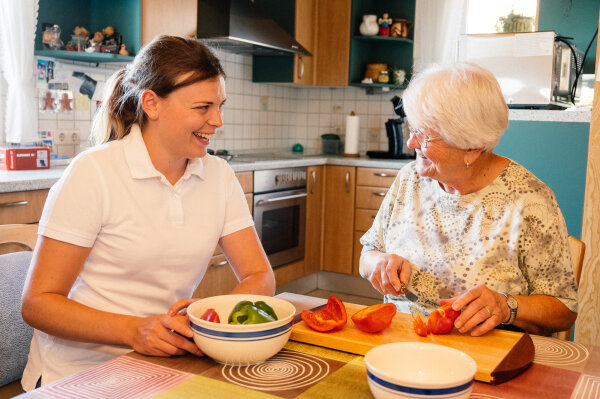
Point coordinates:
[(464, 225)]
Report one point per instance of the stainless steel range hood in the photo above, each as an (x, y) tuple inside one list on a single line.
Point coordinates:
[(240, 27)]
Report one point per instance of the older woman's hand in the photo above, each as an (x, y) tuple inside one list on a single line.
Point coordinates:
[(389, 273), (482, 310)]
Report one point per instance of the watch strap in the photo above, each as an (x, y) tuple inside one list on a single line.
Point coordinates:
[(513, 309)]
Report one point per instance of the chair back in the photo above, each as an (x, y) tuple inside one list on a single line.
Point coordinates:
[(16, 334), (577, 252)]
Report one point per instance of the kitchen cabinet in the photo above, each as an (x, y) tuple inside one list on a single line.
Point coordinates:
[(220, 278), (20, 207), (393, 51), (371, 186), (338, 218), (322, 27), (314, 219), (94, 15), (174, 17)]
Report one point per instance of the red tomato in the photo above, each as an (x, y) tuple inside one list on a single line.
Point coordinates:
[(441, 320), (210, 315), (374, 318), (419, 326), (332, 317)]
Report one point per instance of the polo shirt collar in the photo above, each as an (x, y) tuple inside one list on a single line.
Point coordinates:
[(140, 164)]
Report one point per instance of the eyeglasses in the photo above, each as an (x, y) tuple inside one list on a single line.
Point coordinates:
[(421, 138)]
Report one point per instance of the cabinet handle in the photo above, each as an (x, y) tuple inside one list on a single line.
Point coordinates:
[(314, 181), (372, 216), (222, 263), (300, 67), (348, 182), (11, 204), (381, 174), (379, 194)]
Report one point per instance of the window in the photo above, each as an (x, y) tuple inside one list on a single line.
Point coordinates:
[(493, 16)]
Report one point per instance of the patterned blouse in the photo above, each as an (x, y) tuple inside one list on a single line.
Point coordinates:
[(510, 236)]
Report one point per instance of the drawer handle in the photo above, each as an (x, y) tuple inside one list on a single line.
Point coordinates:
[(379, 194), (382, 175), (10, 204), (348, 182), (372, 216), (222, 263)]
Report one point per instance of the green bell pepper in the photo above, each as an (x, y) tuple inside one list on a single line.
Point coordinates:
[(246, 312), (262, 305)]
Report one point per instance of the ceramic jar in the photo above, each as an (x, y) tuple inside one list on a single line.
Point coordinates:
[(369, 25)]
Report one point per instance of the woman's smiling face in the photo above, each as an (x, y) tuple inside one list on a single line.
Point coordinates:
[(190, 115), (436, 158)]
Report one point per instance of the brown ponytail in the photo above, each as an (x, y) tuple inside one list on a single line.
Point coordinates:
[(157, 67)]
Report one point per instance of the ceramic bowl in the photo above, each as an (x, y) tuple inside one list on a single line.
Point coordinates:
[(416, 369), (240, 344)]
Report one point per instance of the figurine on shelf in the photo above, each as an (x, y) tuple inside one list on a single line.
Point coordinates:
[(112, 40), (95, 43), (123, 50), (384, 24)]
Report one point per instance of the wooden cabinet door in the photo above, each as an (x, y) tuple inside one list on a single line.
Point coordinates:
[(218, 280), (314, 218), (339, 218), (173, 17), (333, 42), (305, 34)]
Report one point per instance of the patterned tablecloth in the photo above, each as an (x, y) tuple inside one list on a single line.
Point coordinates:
[(560, 370)]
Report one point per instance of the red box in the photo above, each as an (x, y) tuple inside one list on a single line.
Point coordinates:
[(27, 158)]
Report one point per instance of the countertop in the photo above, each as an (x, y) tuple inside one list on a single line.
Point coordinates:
[(26, 180)]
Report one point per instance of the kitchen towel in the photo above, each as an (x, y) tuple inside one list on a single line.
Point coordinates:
[(352, 130)]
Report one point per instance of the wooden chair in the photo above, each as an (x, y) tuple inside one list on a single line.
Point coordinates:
[(577, 252), (16, 335)]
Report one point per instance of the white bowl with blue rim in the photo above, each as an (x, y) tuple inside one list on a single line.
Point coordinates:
[(240, 344), (419, 370)]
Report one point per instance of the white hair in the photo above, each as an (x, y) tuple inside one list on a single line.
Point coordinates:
[(462, 102)]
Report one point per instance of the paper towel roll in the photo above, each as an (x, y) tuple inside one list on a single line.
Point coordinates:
[(352, 130)]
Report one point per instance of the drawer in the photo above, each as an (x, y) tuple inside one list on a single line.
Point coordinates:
[(218, 280), (369, 197), (22, 206), (363, 219), (250, 201), (246, 180), (375, 177)]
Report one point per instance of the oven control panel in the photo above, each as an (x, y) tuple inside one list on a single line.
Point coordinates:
[(279, 179)]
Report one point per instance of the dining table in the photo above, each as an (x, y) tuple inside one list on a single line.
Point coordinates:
[(560, 369)]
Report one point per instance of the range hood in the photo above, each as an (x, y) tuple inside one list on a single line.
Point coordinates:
[(239, 26)]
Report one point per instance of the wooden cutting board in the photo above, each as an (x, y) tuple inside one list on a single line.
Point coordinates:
[(500, 355)]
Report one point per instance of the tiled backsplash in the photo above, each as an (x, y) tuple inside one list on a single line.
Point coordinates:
[(260, 116)]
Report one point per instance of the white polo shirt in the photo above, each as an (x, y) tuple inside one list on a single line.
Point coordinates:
[(150, 241)]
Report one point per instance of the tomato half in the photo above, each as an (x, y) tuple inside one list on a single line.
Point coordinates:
[(210, 315), (332, 317), (441, 320), (374, 318)]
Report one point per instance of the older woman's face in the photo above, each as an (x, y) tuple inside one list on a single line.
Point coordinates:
[(436, 158)]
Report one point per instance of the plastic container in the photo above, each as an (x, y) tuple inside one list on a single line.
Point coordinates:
[(330, 143)]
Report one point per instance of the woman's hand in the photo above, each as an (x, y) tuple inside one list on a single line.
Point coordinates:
[(166, 334), (389, 273), (482, 310)]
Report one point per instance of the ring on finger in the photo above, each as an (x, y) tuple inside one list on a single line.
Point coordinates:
[(488, 310)]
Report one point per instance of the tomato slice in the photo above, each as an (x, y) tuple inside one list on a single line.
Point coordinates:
[(332, 317), (374, 318), (419, 326), (210, 315)]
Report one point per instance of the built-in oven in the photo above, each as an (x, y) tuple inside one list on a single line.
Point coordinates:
[(280, 213)]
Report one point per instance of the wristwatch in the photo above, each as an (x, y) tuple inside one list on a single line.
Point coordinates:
[(513, 305)]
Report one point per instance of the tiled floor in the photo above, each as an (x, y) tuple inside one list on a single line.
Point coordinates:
[(361, 300)]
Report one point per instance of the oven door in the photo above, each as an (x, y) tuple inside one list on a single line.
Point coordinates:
[(280, 220)]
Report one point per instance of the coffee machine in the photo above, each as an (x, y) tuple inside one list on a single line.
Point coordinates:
[(397, 148)]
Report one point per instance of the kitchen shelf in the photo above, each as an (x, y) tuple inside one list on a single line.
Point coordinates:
[(83, 56), (373, 85), (383, 39)]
